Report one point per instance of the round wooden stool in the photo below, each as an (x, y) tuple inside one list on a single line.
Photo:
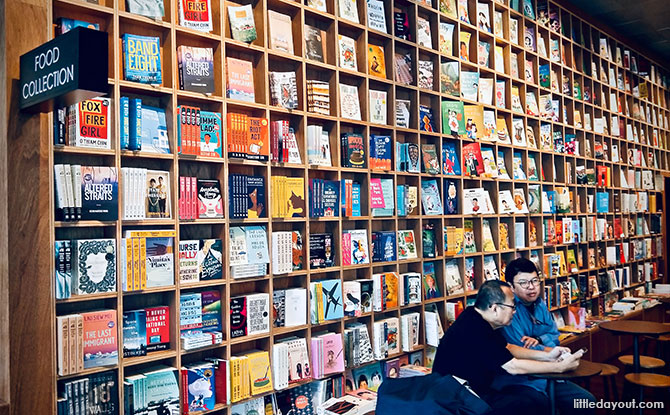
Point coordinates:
[(646, 362), (648, 380), (608, 373)]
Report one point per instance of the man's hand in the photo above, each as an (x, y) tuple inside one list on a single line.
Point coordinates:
[(570, 362), (529, 342), (557, 352)]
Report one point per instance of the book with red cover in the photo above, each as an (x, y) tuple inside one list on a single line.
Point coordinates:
[(158, 328), (472, 159)]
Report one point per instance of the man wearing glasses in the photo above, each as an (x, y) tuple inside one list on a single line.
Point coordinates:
[(475, 350), (533, 328)]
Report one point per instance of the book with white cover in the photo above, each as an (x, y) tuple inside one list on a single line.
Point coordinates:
[(506, 202), (520, 201), (477, 201)]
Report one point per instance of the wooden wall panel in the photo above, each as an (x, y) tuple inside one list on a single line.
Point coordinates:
[(28, 204)]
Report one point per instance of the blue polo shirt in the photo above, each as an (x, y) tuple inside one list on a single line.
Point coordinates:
[(542, 326)]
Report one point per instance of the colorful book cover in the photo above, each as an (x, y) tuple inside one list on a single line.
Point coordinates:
[(450, 159), (469, 85), (199, 385), (472, 160), (158, 328), (134, 333), (474, 121), (240, 79), (142, 59), (376, 61), (99, 193), (242, 25), (453, 118), (430, 198), (430, 286), (211, 136), (210, 203), (196, 69), (100, 338), (196, 14), (449, 78)]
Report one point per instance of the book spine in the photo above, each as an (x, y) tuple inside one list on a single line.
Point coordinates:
[(76, 189), (180, 66), (73, 343), (194, 198), (184, 372), (124, 133), (197, 133), (69, 191), (63, 344), (62, 212), (143, 260), (135, 125)]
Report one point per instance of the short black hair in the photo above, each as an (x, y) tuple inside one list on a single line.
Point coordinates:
[(517, 266), (490, 293)]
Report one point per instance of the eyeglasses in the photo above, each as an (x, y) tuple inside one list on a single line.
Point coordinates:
[(513, 307), (528, 283)]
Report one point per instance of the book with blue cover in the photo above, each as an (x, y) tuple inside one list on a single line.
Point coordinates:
[(380, 152), (356, 199), (142, 59), (430, 198), (450, 164), (331, 198), (426, 122), (199, 385), (602, 202), (450, 197), (154, 131), (134, 333), (332, 299)]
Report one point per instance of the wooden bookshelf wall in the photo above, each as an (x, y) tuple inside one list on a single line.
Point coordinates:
[(114, 19)]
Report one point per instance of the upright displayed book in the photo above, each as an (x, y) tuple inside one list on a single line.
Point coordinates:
[(142, 59)]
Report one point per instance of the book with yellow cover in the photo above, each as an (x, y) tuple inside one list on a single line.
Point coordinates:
[(260, 374), (376, 61), (474, 121)]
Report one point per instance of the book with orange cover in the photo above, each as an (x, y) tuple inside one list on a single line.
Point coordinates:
[(376, 61), (258, 144), (240, 79)]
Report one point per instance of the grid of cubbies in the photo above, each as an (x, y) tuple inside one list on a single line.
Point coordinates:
[(114, 19)]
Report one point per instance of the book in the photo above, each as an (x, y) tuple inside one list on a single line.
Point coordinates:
[(430, 198), (464, 45), (376, 61), (99, 338), (425, 74), (450, 159), (284, 90), (376, 15), (239, 79), (403, 68), (142, 59), (469, 85), (152, 9), (348, 10), (89, 123), (315, 44), (483, 19), (196, 69), (449, 79), (446, 33), (378, 107), (472, 159), (280, 32), (242, 25), (196, 14), (474, 121), (423, 33), (349, 104), (93, 266)]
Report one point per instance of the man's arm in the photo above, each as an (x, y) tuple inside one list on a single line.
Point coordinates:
[(515, 333), (520, 352), (521, 366)]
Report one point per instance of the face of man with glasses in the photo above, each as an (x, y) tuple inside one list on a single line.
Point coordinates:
[(526, 286)]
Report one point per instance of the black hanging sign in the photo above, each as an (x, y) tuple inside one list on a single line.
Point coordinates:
[(68, 69)]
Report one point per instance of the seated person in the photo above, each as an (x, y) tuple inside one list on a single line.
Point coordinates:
[(533, 327), (475, 350)]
